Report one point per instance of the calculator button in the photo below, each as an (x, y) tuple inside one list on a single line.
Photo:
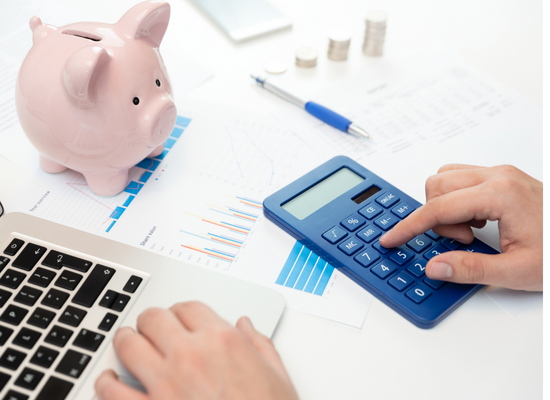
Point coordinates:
[(367, 257), (351, 246), (371, 210), (433, 283), (432, 235), (451, 244), (377, 246), (437, 250), (477, 246), (402, 256), (386, 221), (353, 222), (401, 281), (368, 234), (14, 247), (418, 267), (419, 243), (419, 293), (387, 200), (335, 234), (384, 269), (402, 210)]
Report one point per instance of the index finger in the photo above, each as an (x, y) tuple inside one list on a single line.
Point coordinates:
[(195, 315)]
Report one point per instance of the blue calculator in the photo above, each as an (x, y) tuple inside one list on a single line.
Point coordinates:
[(340, 209)]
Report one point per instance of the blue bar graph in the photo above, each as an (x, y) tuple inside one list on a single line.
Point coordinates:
[(305, 271)]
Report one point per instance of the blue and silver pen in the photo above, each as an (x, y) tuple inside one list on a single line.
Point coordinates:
[(317, 110)]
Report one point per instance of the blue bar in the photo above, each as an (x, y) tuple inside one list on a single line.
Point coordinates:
[(117, 213), (289, 263), (110, 226), (148, 164), (298, 267), (133, 187), (161, 157), (306, 272), (169, 143), (145, 176), (176, 133), (324, 280), (315, 275), (128, 201), (182, 121)]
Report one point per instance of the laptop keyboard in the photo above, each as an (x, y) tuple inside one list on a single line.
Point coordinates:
[(58, 311)]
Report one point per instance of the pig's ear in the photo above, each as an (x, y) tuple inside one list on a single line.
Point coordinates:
[(146, 21), (81, 72)]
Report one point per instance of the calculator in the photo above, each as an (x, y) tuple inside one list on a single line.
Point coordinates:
[(340, 210)]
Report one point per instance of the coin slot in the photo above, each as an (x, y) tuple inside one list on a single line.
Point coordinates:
[(82, 34)]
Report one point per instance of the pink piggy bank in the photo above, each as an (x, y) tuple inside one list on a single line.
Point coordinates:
[(96, 98)]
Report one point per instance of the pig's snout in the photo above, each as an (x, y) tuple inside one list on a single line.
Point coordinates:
[(161, 122)]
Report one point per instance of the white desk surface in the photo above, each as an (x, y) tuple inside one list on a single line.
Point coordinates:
[(480, 352)]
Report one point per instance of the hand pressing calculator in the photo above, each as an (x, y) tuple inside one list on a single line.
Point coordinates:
[(340, 210)]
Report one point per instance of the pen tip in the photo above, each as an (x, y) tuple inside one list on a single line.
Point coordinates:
[(353, 129)]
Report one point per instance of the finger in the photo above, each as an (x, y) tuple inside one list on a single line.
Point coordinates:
[(161, 328), (505, 270), (462, 233), (108, 387), (195, 315), (453, 167), (478, 223), (455, 179), (137, 355), (262, 344)]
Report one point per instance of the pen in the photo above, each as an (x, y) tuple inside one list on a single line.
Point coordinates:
[(317, 110)]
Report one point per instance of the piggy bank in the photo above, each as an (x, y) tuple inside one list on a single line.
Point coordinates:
[(96, 98)]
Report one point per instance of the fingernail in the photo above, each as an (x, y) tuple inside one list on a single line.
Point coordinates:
[(441, 270), (247, 322)]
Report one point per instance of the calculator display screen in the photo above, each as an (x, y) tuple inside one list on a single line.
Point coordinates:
[(322, 193)]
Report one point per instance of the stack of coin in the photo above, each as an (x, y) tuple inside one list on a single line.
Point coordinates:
[(306, 57), (375, 33), (338, 46)]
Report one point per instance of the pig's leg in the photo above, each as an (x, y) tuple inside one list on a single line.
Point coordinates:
[(107, 184), (158, 151), (51, 166)]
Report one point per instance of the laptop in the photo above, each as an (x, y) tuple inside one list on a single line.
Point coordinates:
[(64, 293)]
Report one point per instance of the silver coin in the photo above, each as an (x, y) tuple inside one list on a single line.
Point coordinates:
[(275, 66), (376, 16), (339, 34), (306, 54)]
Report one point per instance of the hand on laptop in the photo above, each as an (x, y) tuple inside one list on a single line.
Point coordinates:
[(460, 197), (189, 352)]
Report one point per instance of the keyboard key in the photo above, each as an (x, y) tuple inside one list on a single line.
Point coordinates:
[(28, 296), (12, 279), (120, 302), (381, 249), (4, 261), (401, 281), (29, 378), (56, 260), (93, 285), (88, 340), (107, 322), (371, 210), (419, 293), (72, 316), (335, 234), (68, 280), (4, 378), (5, 334), (451, 244), (14, 247), (386, 221), (418, 267), (29, 257), (55, 389), (432, 234), (27, 338), (437, 250), (353, 222), (13, 395), (401, 256), (384, 269), (351, 246), (55, 298), (132, 284), (4, 296), (13, 315), (433, 283), (41, 318), (12, 359), (402, 210), (44, 357), (58, 336), (387, 200), (477, 246), (42, 277), (108, 298), (367, 257), (73, 363), (368, 234), (419, 243)]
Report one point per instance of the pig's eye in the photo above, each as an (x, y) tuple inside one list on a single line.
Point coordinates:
[(136, 101), (157, 82)]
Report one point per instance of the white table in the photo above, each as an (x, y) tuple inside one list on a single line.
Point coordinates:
[(481, 352)]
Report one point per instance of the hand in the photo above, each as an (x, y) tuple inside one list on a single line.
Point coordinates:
[(460, 197), (189, 352)]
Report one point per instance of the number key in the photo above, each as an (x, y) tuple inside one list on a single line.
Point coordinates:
[(384, 269), (419, 293), (437, 250), (419, 243), (367, 257), (401, 281), (401, 256), (418, 267)]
